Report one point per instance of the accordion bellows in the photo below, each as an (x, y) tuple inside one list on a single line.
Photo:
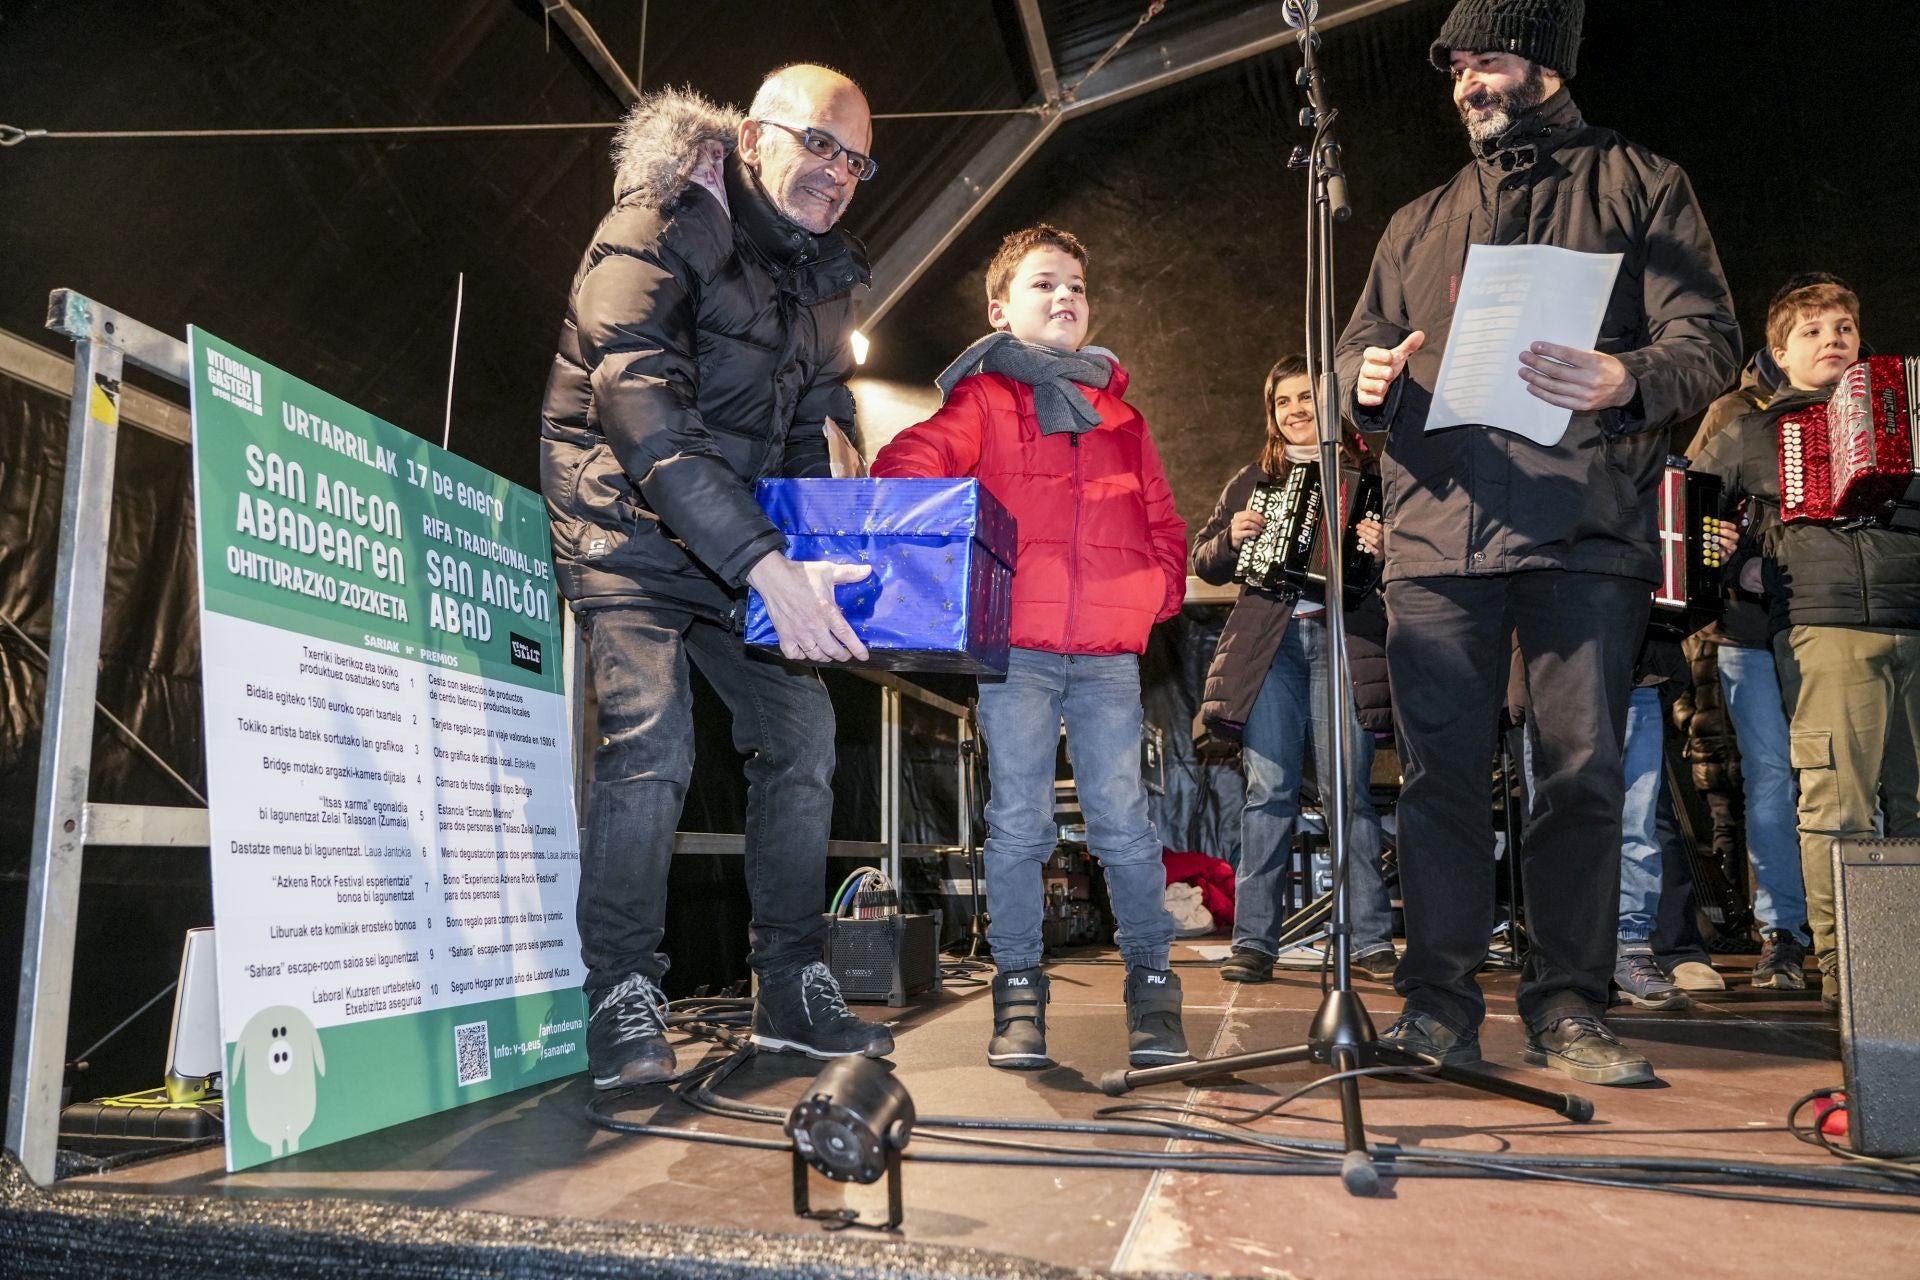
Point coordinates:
[(940, 597), (1853, 455)]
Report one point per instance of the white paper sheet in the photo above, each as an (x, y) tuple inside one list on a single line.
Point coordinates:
[(1512, 296)]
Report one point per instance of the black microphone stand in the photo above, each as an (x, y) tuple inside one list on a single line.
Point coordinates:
[(1342, 1036)]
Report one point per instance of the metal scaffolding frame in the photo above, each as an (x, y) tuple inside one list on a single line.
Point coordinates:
[(105, 342), (1137, 70), (1140, 69), (580, 33), (63, 822)]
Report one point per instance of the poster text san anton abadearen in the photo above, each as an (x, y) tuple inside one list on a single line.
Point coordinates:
[(390, 784), (316, 539)]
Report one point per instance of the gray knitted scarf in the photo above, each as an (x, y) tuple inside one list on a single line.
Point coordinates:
[(1060, 405)]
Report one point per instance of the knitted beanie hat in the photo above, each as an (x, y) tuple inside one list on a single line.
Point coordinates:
[(1546, 32)]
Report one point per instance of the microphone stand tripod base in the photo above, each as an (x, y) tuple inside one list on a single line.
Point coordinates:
[(1358, 1174), (1342, 1037)]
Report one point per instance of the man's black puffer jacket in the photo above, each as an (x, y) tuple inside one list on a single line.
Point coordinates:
[(704, 347)]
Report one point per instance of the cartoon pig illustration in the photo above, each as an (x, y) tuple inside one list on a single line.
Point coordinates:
[(280, 1054)]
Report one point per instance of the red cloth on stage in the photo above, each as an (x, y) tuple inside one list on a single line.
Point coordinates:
[(1213, 875)]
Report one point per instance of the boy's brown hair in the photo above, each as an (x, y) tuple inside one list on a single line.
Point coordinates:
[(1794, 305), (1015, 248)]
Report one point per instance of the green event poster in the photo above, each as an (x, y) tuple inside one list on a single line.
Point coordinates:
[(395, 850)]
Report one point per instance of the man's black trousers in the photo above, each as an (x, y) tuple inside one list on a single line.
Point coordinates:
[(1449, 653)]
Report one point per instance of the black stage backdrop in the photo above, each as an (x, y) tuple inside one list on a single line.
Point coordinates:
[(336, 260), (1794, 121)]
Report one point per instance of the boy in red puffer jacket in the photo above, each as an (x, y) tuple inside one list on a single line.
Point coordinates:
[(1039, 420)]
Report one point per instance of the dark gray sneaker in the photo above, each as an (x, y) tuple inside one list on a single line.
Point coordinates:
[(1019, 1021), (802, 1011), (1783, 962), (1583, 1048), (1154, 1034), (1638, 977), (1247, 964), (1429, 1037), (1378, 963), (627, 1035)]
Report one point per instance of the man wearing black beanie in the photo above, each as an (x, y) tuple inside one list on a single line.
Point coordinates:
[(1492, 537)]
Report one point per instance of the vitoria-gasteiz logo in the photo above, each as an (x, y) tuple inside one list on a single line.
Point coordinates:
[(235, 383)]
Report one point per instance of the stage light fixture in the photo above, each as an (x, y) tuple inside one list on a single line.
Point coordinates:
[(860, 344), (851, 1124)]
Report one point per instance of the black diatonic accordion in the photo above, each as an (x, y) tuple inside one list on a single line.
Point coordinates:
[(1692, 516), (1291, 551)]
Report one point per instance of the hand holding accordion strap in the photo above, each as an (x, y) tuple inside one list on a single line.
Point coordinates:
[(1290, 553)]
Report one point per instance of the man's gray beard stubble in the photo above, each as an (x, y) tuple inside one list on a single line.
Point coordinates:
[(1485, 128), (1507, 107)]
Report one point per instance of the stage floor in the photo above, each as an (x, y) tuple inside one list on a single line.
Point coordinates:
[(1729, 1067)]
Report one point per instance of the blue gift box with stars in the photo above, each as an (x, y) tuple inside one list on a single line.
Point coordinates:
[(940, 597)]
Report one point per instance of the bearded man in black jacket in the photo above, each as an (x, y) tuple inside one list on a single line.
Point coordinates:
[(705, 347), (1491, 536)]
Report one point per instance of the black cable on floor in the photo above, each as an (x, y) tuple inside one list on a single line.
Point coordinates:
[(1260, 1153), (1817, 1136)]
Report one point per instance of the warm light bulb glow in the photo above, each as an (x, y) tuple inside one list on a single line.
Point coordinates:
[(859, 341)]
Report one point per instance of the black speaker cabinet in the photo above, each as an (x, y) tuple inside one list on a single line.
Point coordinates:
[(887, 958), (1876, 906)]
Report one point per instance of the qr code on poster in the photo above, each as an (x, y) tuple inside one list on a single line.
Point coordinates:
[(470, 1050)]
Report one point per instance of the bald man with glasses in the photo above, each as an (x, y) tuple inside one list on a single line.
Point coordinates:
[(705, 347)]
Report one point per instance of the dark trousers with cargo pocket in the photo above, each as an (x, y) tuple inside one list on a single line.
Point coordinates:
[(782, 723), (1449, 654)]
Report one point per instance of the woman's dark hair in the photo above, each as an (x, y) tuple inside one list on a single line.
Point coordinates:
[(1273, 453)]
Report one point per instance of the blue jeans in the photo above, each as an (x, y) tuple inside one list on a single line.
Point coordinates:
[(1644, 769), (1293, 705), (1098, 697), (782, 722), (1751, 685)]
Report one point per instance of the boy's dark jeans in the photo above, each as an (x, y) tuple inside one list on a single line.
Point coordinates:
[(782, 722)]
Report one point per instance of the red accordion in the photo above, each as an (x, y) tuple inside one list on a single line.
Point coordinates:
[(1853, 455)]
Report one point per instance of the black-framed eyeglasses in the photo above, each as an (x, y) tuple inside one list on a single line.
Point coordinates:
[(828, 148)]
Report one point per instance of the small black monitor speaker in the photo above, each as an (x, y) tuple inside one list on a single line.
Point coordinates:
[(885, 958), (1876, 906)]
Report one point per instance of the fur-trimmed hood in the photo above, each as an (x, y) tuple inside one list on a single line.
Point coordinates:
[(657, 147)]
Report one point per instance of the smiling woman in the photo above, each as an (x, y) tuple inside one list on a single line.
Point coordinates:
[(1266, 688)]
